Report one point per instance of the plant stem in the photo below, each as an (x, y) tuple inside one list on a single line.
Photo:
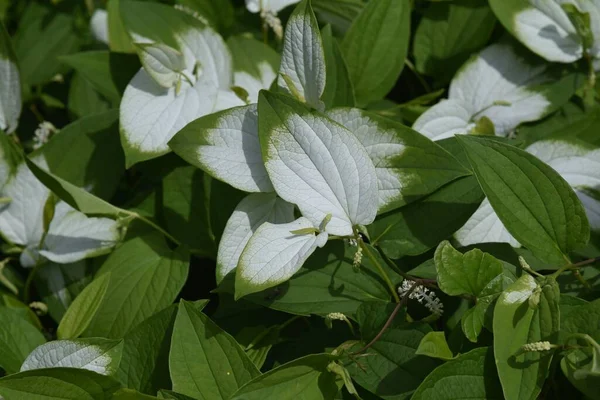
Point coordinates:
[(421, 80), (384, 275), (389, 321), (575, 266), (29, 282)]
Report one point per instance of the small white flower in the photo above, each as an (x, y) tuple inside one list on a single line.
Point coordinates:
[(357, 258), (336, 316), (42, 134), (270, 19), (537, 346), (423, 295)]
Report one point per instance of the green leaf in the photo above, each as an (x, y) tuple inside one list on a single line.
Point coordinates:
[(205, 361), (339, 91), (421, 225), (145, 361), (448, 34), (535, 204), (76, 197), (303, 378), (118, 37), (18, 338), (391, 368), (434, 345), (338, 13), (83, 99), (80, 313), (184, 211), (99, 355), (518, 320), (95, 159), (145, 276), (468, 273), (59, 284), (58, 384), (328, 283), (375, 47), (219, 14), (469, 376), (129, 394), (95, 67), (43, 35), (168, 394)]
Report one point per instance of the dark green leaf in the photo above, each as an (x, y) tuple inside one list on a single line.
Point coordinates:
[(218, 13), (18, 338), (339, 91), (95, 67), (535, 204), (375, 47), (205, 361), (83, 99)]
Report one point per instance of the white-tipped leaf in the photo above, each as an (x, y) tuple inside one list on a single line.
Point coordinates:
[(254, 65), (274, 254), (317, 164), (10, 85), (73, 236), (498, 85), (544, 26), (484, 226), (226, 145), (580, 166), (99, 355), (163, 63), (408, 165), (151, 114), (250, 213), (302, 71)]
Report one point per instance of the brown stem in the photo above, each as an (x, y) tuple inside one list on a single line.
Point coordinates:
[(585, 262), (389, 321)]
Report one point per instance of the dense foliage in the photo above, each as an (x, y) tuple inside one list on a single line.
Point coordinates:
[(284, 199)]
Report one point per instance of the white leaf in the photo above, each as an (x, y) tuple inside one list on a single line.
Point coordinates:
[(21, 220), (274, 6), (497, 84), (163, 63), (317, 164), (95, 354), (226, 146), (274, 254), (73, 236), (99, 25), (10, 85), (253, 84), (302, 70), (444, 120), (151, 114), (484, 226), (250, 213), (579, 165)]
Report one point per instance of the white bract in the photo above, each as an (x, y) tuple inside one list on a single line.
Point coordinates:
[(549, 27), (71, 236), (499, 85), (10, 85), (302, 72), (175, 87), (249, 215), (99, 25), (575, 162), (94, 354)]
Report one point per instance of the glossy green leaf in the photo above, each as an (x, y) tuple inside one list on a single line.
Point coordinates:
[(448, 34), (375, 47), (18, 338), (535, 204), (303, 378), (95, 158), (339, 91), (434, 345), (145, 361), (468, 376), (81, 311), (421, 225), (145, 276), (118, 37), (58, 384), (205, 362), (95, 67), (518, 320)]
